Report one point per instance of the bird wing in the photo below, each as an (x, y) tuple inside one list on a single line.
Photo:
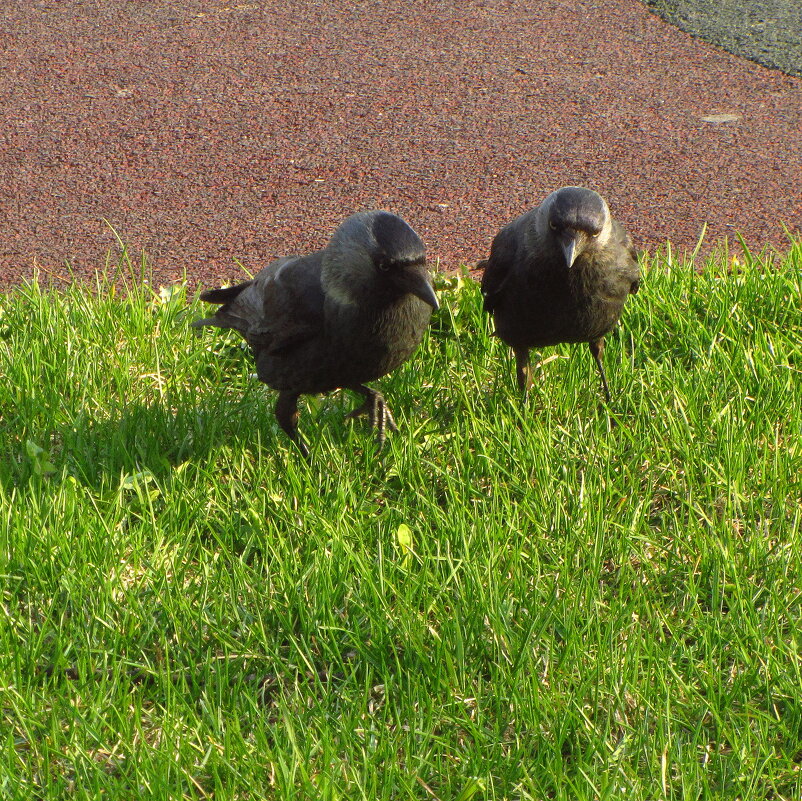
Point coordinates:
[(499, 266), (625, 241), (278, 309), (291, 298)]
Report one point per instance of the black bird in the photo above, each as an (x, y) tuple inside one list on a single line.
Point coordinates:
[(559, 273), (347, 314)]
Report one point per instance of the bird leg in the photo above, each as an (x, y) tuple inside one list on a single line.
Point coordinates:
[(523, 370), (377, 410), (287, 415), (597, 348)]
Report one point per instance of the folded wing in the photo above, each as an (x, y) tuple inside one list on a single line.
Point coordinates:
[(279, 309), (498, 266)]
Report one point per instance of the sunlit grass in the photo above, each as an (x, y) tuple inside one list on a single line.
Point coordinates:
[(557, 600)]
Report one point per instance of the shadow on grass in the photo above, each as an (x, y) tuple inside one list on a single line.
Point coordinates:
[(156, 437), (159, 436)]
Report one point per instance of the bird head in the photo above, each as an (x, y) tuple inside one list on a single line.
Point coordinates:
[(577, 220), (375, 255)]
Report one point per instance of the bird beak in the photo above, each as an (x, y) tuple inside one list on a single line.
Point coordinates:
[(568, 245), (415, 280)]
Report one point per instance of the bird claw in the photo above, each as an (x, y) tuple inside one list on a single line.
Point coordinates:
[(359, 412), (378, 412), (385, 421)]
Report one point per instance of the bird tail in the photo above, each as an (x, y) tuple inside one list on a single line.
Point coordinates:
[(225, 294), (222, 318), (204, 321)]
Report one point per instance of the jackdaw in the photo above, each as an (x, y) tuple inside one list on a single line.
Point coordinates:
[(559, 273), (347, 314)]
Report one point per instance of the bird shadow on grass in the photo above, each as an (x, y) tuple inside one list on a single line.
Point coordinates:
[(155, 438), (143, 436)]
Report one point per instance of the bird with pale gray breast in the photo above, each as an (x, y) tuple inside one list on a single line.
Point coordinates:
[(559, 273), (337, 318)]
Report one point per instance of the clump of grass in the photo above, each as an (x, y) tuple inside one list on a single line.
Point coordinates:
[(557, 600)]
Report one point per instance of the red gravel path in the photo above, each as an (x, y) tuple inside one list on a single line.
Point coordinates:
[(206, 132)]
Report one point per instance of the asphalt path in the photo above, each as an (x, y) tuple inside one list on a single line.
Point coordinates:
[(766, 31)]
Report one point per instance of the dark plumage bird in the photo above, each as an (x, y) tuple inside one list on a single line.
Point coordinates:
[(559, 273), (347, 314)]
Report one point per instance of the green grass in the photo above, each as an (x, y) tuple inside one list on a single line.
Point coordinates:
[(595, 603)]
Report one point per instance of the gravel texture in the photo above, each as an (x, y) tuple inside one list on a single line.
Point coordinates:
[(208, 132), (767, 31)]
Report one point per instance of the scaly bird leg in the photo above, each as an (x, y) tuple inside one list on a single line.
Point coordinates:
[(597, 348), (523, 370), (287, 415), (377, 410)]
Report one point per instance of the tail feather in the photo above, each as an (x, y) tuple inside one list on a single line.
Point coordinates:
[(205, 321), (225, 294), (229, 315)]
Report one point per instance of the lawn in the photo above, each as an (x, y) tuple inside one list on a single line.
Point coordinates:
[(550, 600)]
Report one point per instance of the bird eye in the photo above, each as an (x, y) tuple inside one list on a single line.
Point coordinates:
[(552, 226), (384, 266)]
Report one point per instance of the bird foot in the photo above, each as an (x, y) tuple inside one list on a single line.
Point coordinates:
[(287, 417), (378, 412)]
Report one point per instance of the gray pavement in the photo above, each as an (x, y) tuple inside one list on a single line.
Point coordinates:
[(766, 31)]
